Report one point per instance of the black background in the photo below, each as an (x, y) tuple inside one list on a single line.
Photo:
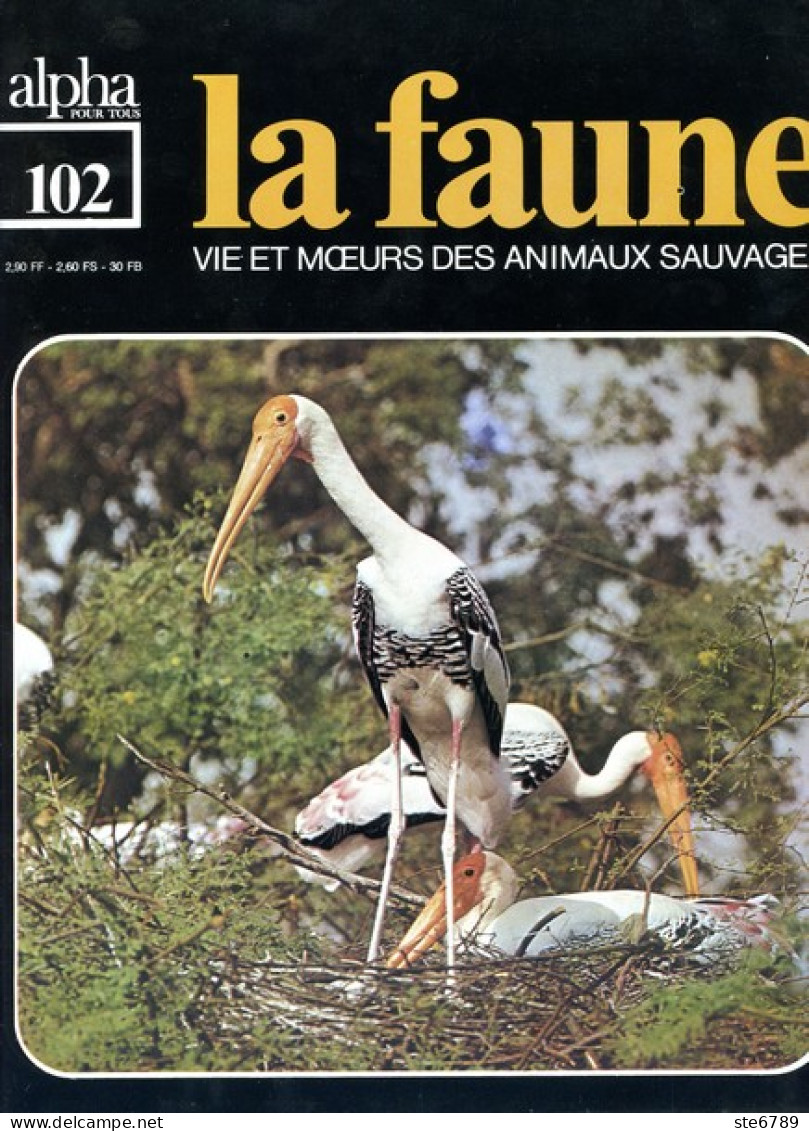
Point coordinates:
[(338, 62)]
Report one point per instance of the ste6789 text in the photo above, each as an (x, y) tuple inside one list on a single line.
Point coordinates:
[(776, 1122)]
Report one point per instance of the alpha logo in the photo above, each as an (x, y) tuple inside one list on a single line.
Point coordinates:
[(85, 96)]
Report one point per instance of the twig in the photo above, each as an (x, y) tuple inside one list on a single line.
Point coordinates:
[(40, 904), (560, 839), (773, 720), (546, 638), (601, 854), (562, 1012), (213, 924), (773, 663), (795, 595), (554, 546), (290, 848), (99, 794)]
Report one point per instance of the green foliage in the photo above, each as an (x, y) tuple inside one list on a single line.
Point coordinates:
[(674, 1023), (112, 961), (729, 649), (260, 693), (247, 682)]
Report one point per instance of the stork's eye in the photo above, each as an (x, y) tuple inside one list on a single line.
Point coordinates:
[(469, 871), (281, 417)]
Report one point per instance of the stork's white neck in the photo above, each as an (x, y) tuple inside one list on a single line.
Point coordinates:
[(626, 756), (383, 528)]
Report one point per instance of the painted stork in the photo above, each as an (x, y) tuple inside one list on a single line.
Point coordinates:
[(425, 633), (33, 676), (347, 821), (33, 661), (487, 917)]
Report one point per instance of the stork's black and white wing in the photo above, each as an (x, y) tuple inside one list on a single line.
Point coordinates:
[(473, 616), (363, 622), (372, 650), (532, 757)]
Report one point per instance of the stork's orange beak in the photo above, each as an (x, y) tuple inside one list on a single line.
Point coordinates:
[(275, 439), (431, 925), (665, 771)]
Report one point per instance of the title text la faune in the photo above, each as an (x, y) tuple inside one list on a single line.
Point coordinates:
[(491, 170)]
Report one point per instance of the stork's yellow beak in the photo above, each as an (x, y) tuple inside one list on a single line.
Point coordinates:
[(665, 771), (431, 925), (275, 439)]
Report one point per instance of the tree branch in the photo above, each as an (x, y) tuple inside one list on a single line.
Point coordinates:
[(290, 848)]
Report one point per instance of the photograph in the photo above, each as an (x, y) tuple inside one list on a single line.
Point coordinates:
[(563, 578)]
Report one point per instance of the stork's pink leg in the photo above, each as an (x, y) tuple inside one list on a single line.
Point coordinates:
[(448, 838), (395, 828)]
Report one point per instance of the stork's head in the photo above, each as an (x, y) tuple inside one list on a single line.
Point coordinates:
[(484, 885), (663, 765), (279, 431)]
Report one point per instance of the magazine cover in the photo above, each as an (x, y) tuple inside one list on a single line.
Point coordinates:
[(405, 535)]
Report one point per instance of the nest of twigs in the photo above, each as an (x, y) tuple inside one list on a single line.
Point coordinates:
[(493, 1014)]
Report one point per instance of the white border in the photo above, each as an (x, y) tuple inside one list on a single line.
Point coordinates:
[(531, 335), (133, 128)]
